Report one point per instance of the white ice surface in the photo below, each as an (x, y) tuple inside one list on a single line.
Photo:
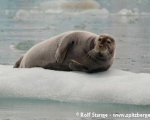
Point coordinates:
[(114, 86), (135, 11)]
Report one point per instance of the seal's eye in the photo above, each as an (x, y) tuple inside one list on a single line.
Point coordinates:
[(100, 39), (108, 42)]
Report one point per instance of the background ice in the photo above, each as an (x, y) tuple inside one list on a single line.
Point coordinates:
[(135, 11), (114, 86)]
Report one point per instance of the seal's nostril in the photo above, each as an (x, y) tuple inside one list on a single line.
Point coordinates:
[(100, 46)]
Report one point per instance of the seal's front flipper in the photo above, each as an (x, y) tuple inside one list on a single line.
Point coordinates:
[(62, 50), (75, 66), (17, 64), (56, 66)]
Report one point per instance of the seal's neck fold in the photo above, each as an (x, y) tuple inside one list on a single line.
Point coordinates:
[(92, 44)]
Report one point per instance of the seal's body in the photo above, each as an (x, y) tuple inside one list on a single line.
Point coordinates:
[(74, 50)]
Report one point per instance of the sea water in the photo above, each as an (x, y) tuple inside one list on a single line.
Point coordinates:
[(22, 28)]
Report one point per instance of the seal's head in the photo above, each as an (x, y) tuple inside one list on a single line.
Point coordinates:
[(105, 44)]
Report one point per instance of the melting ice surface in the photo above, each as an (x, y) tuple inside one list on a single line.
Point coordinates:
[(113, 86)]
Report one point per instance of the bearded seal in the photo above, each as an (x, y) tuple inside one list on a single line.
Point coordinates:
[(71, 51)]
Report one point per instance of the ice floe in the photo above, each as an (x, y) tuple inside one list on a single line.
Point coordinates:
[(114, 86), (135, 11)]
